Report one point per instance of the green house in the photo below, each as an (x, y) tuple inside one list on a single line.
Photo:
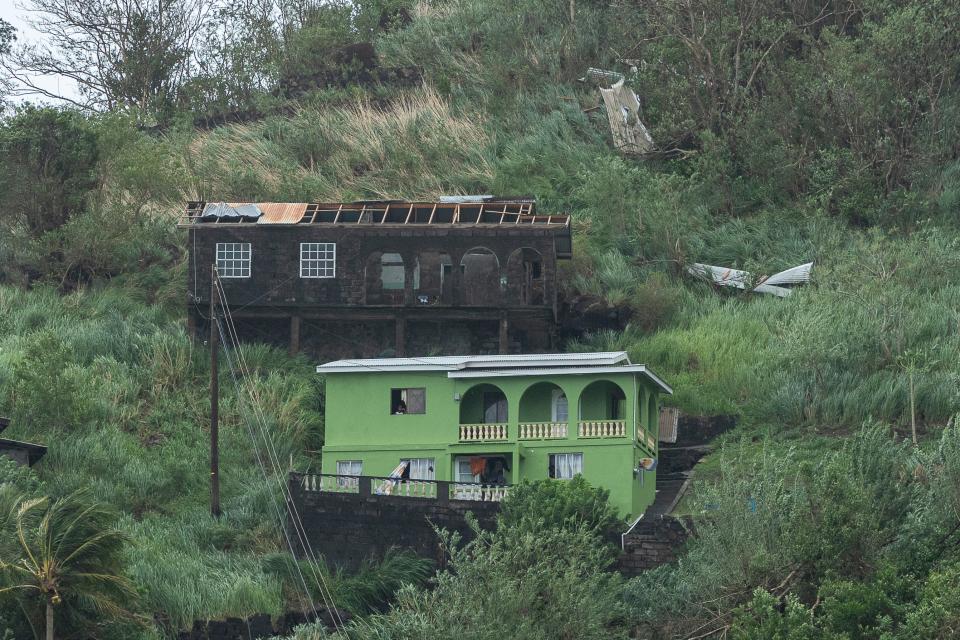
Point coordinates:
[(483, 423)]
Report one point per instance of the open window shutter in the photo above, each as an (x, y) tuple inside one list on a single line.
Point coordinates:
[(416, 400)]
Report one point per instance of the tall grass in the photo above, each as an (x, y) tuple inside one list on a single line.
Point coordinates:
[(414, 146), (134, 436)]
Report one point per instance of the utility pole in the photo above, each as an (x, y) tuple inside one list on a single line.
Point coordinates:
[(214, 400)]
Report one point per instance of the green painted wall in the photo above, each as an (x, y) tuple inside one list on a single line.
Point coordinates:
[(359, 426)]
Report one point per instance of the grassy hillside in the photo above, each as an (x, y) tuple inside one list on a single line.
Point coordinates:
[(784, 135)]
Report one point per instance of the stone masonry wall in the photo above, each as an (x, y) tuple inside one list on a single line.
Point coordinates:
[(347, 528), (652, 543)]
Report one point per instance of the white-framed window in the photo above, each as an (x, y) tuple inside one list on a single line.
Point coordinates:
[(233, 259), (349, 468), (464, 471), (420, 468), (318, 259), (559, 407), (564, 466)]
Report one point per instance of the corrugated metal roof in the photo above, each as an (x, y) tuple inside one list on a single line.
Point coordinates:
[(456, 363), (278, 212)]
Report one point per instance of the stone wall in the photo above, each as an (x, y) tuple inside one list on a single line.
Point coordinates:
[(257, 626), (699, 430), (348, 528), (275, 265), (652, 543)]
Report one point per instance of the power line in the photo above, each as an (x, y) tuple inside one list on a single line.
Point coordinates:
[(276, 467)]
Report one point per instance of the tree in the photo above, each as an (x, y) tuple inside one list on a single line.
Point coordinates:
[(561, 505), (67, 552), (48, 160), (915, 362), (7, 37), (120, 53)]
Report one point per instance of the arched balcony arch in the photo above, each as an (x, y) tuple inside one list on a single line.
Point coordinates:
[(481, 277), (543, 412), (525, 281), (483, 414), (603, 408)]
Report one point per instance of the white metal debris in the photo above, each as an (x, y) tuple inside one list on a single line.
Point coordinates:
[(726, 277), (623, 111), (602, 77)]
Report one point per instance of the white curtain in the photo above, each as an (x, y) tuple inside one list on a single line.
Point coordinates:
[(567, 465)]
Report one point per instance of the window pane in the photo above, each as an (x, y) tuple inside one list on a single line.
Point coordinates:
[(565, 465), (318, 259), (233, 259), (421, 468)]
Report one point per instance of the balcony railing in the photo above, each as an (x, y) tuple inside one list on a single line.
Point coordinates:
[(602, 429), (478, 492), (541, 430), (383, 486), (494, 432)]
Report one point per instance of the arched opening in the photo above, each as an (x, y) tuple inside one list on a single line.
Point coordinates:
[(481, 277), (385, 278), (483, 404), (525, 281), (603, 407), (543, 413), (433, 278)]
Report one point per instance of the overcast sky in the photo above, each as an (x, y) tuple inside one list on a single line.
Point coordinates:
[(11, 12)]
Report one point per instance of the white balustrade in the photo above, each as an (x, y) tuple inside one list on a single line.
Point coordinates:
[(483, 432), (542, 430), (479, 493), (602, 429)]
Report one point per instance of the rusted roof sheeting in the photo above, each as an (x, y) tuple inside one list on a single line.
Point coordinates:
[(277, 212)]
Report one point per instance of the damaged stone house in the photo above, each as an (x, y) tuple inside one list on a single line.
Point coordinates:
[(369, 278)]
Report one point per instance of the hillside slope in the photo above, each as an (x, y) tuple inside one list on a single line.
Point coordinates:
[(825, 134)]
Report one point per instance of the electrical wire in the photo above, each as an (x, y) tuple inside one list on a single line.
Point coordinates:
[(231, 337)]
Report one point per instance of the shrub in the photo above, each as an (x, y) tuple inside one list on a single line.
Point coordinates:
[(767, 617), (514, 583), (46, 392), (573, 505)]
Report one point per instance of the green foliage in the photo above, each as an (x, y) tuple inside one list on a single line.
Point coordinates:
[(534, 506), (937, 613), (44, 391), (766, 617), (48, 160), (367, 591), (765, 526), (516, 583), (68, 558)]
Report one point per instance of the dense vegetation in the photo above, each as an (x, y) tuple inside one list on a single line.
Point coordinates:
[(786, 132)]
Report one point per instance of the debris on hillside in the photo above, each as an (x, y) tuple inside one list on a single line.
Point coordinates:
[(775, 284), (630, 136), (602, 77)]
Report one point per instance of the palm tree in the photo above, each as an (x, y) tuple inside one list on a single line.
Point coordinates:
[(67, 552)]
